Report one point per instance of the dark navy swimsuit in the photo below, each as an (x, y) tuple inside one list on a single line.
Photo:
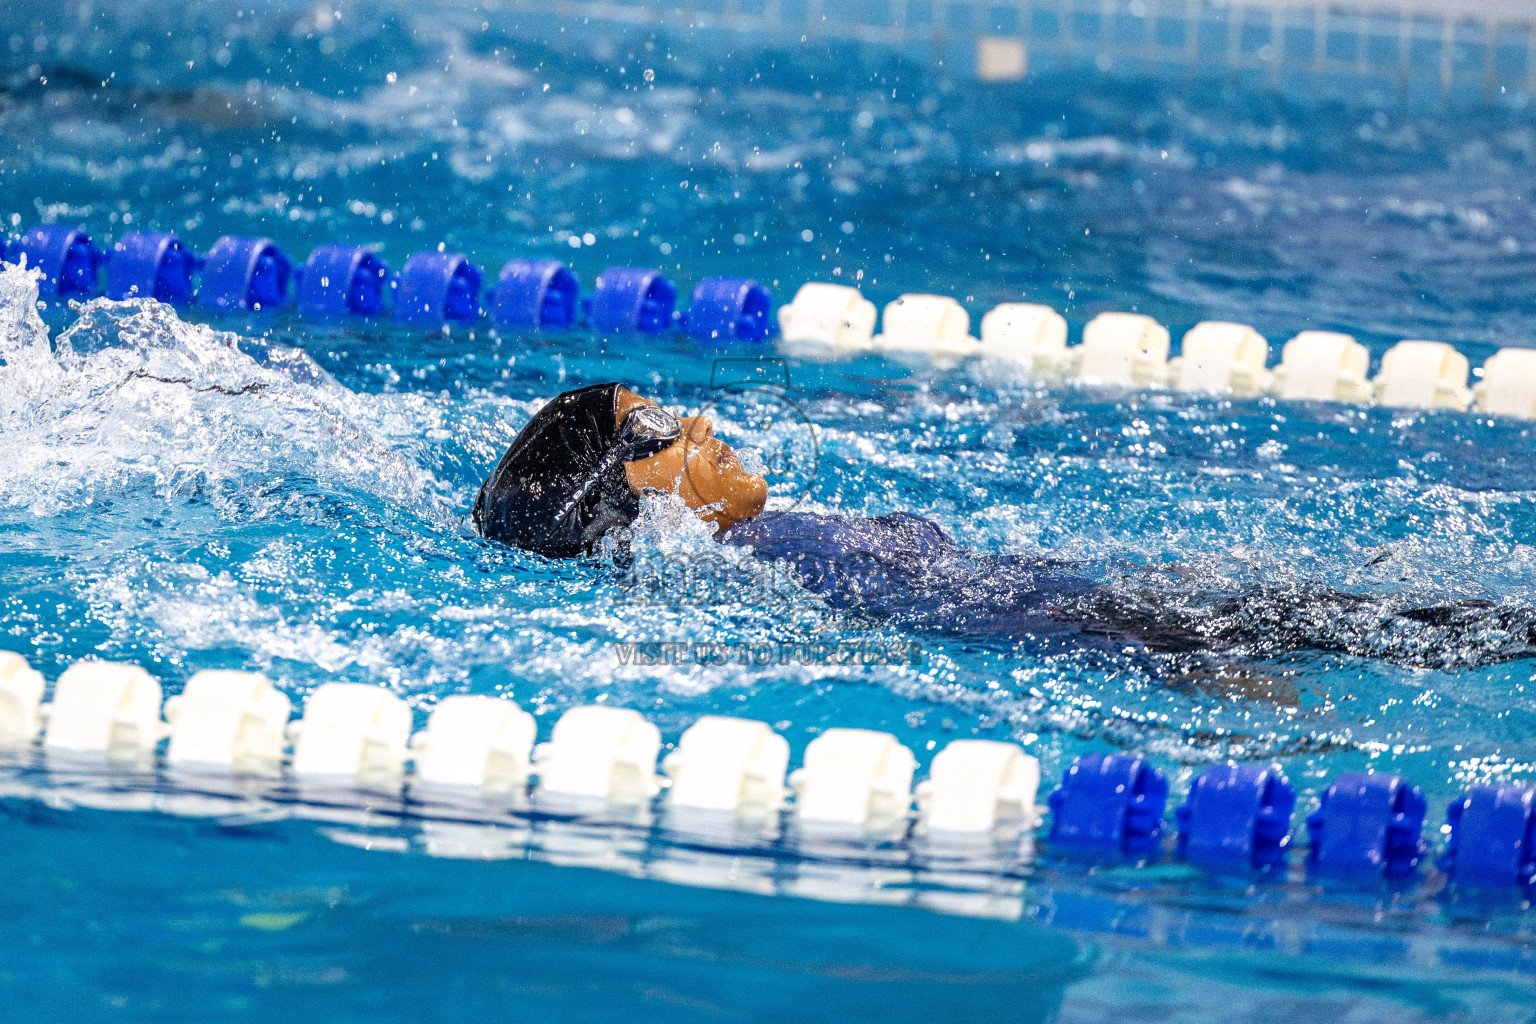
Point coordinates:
[(903, 568)]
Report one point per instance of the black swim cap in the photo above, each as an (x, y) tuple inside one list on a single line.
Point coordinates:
[(561, 484)]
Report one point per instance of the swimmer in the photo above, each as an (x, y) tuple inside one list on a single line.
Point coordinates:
[(580, 466)]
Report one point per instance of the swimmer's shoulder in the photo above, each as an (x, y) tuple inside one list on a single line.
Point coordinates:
[(900, 533)]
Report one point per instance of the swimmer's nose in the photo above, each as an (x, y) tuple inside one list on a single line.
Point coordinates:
[(698, 429)]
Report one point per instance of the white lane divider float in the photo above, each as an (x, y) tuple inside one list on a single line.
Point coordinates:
[(1222, 359), (1322, 366), (601, 753), (233, 721), (974, 784), (1122, 350), (476, 742), (1131, 350), (854, 777), (1032, 336), (934, 325), (353, 734), (21, 695), (1508, 385), (728, 764), (352, 731), (1423, 375), (105, 709), (832, 315)]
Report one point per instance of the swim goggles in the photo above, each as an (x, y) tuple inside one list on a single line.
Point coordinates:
[(648, 430)]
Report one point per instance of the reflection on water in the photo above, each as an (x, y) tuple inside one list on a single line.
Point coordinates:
[(268, 912)]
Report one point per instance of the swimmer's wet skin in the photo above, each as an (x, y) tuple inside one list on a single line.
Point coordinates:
[(579, 467)]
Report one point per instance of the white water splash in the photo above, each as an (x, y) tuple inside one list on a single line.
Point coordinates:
[(130, 394)]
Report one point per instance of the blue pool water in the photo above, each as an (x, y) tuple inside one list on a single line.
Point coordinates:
[(272, 494)]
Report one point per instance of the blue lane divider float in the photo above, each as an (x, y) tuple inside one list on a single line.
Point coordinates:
[(340, 279), (434, 288), (66, 257), (535, 293), (1109, 805), (632, 300), (1367, 825), (1236, 818), (730, 309), (244, 273), (1492, 840), (151, 265)]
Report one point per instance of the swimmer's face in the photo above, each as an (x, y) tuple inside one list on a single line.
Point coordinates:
[(699, 468)]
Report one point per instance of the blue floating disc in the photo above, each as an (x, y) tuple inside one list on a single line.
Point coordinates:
[(434, 288), (535, 293), (1237, 817), (1492, 841), (152, 265), (730, 309), (1111, 805), (1367, 825), (66, 257), (632, 299), (240, 272), (339, 279)]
